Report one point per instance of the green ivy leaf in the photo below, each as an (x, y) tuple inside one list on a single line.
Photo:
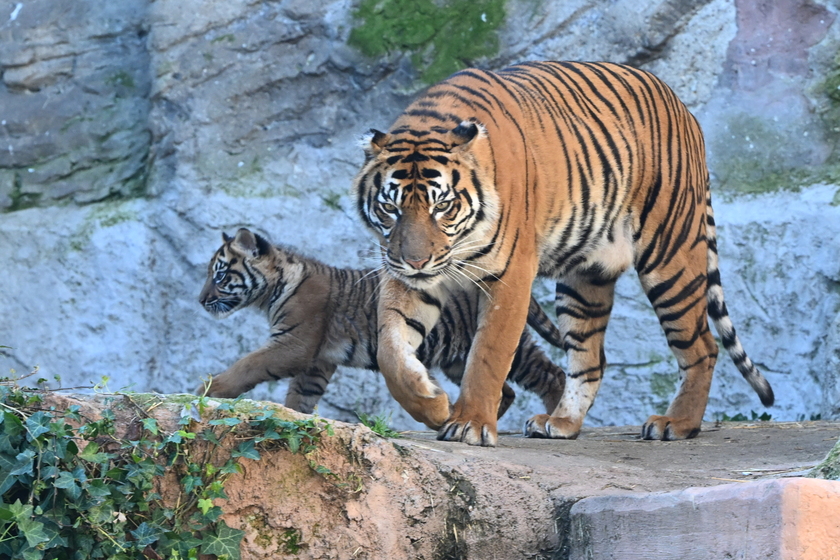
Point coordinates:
[(229, 421), (293, 441), (247, 450), (98, 489), (32, 530), (31, 554), (151, 425), (73, 413), (12, 425), (8, 444), (37, 424), (24, 462), (215, 489), (91, 454), (53, 532), (204, 505), (181, 543), (67, 482), (190, 483), (231, 467), (210, 435), (146, 535), (7, 479), (321, 469), (224, 542)]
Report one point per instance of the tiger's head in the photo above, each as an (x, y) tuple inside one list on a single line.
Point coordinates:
[(425, 194), (237, 273)]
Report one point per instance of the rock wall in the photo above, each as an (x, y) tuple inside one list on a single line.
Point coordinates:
[(133, 134)]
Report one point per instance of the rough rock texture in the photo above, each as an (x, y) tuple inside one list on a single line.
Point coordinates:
[(74, 102), (422, 499), (381, 500), (133, 133), (793, 519)]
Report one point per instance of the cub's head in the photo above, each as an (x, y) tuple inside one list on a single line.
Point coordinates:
[(237, 273), (426, 194)]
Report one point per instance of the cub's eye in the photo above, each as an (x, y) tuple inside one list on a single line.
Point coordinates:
[(219, 276), (443, 206), (388, 207)]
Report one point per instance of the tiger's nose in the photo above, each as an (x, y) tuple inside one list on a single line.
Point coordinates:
[(417, 264)]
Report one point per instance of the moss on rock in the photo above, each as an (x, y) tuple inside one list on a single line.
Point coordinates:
[(830, 466), (443, 37)]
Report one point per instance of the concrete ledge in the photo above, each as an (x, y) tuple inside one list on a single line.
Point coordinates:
[(782, 519)]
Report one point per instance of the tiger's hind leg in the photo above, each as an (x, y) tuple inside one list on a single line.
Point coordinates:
[(584, 303), (306, 388), (677, 290)]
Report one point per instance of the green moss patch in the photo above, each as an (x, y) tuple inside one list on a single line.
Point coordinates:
[(830, 467), (760, 155), (443, 37)]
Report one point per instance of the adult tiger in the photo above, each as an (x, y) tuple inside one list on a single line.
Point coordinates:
[(569, 170), (322, 317)]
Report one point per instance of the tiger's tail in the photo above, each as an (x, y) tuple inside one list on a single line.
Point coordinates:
[(720, 315)]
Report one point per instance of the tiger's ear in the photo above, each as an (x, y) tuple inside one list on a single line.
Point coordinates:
[(374, 141), (226, 238), (463, 136)]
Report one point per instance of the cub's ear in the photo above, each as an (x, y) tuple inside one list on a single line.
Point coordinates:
[(226, 238), (374, 141), (246, 242), (263, 245), (463, 136)]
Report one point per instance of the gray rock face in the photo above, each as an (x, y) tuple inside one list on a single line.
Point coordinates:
[(74, 102), (133, 133)]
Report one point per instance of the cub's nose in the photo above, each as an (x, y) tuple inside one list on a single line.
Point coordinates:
[(206, 298)]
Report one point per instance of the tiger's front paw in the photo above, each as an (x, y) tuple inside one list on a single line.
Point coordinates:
[(471, 432), (554, 427), (432, 410), (669, 429)]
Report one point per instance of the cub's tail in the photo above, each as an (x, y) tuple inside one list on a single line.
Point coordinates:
[(720, 316)]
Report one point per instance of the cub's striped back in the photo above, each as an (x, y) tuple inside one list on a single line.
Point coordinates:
[(323, 316)]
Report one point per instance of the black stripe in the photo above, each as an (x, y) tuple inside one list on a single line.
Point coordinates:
[(413, 323), (429, 299)]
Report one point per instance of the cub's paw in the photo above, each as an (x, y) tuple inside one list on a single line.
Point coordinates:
[(209, 387), (219, 388), (554, 427), (470, 432), (669, 429)]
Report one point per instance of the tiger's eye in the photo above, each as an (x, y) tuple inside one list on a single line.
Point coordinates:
[(443, 206), (388, 207), (219, 276)]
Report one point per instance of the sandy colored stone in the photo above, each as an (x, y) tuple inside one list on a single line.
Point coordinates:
[(785, 519)]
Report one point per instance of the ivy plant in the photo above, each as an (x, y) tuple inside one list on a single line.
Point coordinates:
[(72, 488)]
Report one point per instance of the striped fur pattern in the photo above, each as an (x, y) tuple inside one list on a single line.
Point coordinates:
[(572, 171), (322, 317)]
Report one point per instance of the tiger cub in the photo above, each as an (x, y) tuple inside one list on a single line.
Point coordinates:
[(568, 170), (322, 317)]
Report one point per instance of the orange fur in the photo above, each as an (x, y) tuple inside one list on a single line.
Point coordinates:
[(573, 171)]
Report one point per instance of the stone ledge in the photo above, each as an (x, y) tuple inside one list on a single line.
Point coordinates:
[(784, 519)]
